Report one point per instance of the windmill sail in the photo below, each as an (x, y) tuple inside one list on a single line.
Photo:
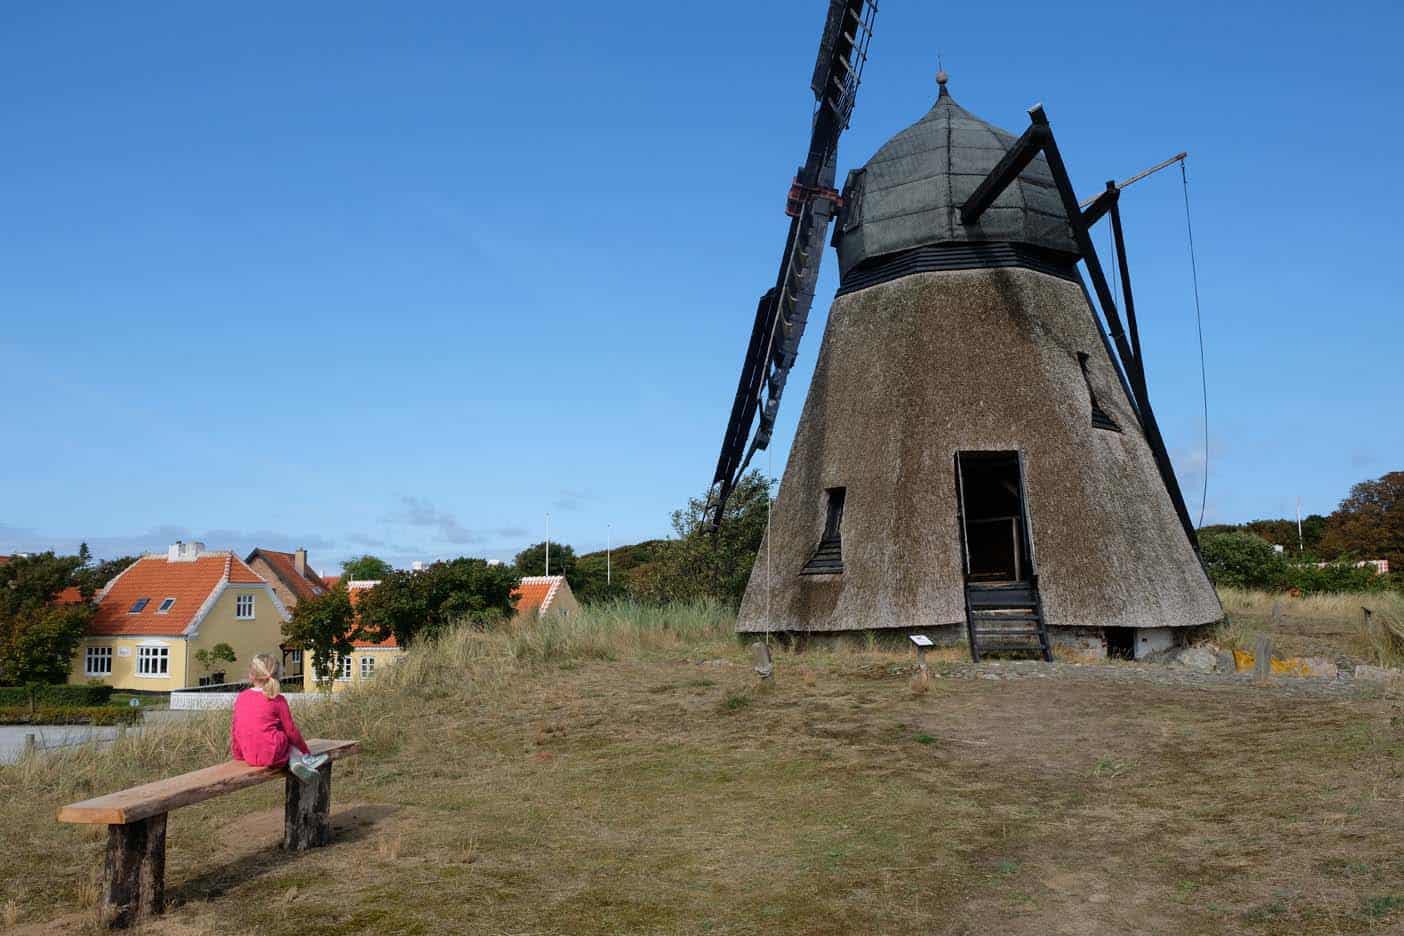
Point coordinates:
[(783, 310)]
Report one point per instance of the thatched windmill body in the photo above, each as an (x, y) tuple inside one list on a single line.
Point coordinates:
[(974, 454)]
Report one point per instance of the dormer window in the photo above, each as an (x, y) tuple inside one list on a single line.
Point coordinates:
[(1100, 418), (828, 555), (139, 605), (165, 606)]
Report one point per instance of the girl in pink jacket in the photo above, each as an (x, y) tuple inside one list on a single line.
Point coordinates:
[(263, 733)]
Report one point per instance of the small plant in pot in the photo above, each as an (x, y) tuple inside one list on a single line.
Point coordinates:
[(209, 658)]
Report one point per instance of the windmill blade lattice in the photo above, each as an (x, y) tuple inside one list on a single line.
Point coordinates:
[(783, 311)]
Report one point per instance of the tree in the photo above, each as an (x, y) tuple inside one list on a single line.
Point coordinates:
[(38, 634), (91, 579), (1242, 560), (701, 563), (1369, 524), (365, 568), (39, 643), (324, 626), (214, 656), (594, 582), (532, 561), (408, 605)]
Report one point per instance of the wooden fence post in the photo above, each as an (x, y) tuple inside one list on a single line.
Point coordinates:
[(1262, 659), (765, 667), (307, 812), (134, 883)]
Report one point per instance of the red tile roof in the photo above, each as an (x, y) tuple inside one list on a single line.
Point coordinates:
[(69, 596), (284, 565), (155, 578), (330, 580), (536, 592)]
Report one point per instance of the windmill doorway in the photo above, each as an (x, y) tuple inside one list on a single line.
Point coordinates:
[(993, 517), (1003, 611)]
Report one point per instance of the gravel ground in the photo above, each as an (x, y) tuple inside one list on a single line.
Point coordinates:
[(1158, 674)]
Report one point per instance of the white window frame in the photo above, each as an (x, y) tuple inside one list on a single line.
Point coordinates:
[(343, 669), (244, 606), (153, 657), (367, 666), (295, 657), (166, 605), (100, 654)]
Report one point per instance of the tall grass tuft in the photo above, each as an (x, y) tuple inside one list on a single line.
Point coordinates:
[(1249, 612), (621, 630), (465, 662)]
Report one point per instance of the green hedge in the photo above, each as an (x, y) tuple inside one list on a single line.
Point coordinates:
[(68, 715), (57, 695)]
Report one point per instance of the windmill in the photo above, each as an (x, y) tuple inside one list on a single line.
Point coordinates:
[(977, 453)]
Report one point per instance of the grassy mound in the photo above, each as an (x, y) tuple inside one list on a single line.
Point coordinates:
[(622, 771)]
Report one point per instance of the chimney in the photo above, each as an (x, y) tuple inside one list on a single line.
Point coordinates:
[(184, 552), (417, 566), (300, 561)]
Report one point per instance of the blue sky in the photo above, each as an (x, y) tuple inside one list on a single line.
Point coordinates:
[(404, 278)]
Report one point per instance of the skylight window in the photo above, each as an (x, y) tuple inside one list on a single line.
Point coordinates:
[(139, 606), (165, 606)]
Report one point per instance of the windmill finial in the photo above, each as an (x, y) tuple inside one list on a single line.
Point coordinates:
[(941, 76)]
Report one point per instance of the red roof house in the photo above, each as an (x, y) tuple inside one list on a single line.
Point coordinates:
[(155, 616), (539, 595)]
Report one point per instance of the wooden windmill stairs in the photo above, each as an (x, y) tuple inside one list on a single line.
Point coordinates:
[(1006, 618)]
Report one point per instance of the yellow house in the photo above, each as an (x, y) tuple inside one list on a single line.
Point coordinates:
[(367, 659), (163, 609)]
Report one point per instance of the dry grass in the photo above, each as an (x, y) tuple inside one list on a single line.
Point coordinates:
[(1331, 626), (609, 779)]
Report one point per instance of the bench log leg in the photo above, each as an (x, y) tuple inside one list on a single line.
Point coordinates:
[(134, 883), (307, 814)]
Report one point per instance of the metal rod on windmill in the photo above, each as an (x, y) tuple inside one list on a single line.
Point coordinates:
[(1164, 163)]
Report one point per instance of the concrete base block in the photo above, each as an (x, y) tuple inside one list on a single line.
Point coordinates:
[(1151, 640)]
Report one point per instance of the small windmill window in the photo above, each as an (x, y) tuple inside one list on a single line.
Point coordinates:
[(1101, 419), (828, 555)]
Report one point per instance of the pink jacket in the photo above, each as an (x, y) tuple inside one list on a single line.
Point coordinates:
[(263, 730)]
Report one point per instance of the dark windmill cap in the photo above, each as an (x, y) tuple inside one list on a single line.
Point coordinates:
[(909, 194)]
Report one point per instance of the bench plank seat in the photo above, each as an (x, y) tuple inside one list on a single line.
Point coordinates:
[(161, 796)]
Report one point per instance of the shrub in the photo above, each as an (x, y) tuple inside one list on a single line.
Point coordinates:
[(56, 695), (68, 715), (1334, 577), (1242, 560)]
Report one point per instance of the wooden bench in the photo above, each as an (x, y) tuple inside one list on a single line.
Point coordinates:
[(134, 882)]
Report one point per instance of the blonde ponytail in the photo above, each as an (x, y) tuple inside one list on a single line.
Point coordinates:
[(263, 673)]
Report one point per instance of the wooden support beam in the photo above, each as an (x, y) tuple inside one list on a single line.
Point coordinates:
[(134, 876), (1138, 378), (307, 811), (1118, 334), (1099, 206), (1023, 152)]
